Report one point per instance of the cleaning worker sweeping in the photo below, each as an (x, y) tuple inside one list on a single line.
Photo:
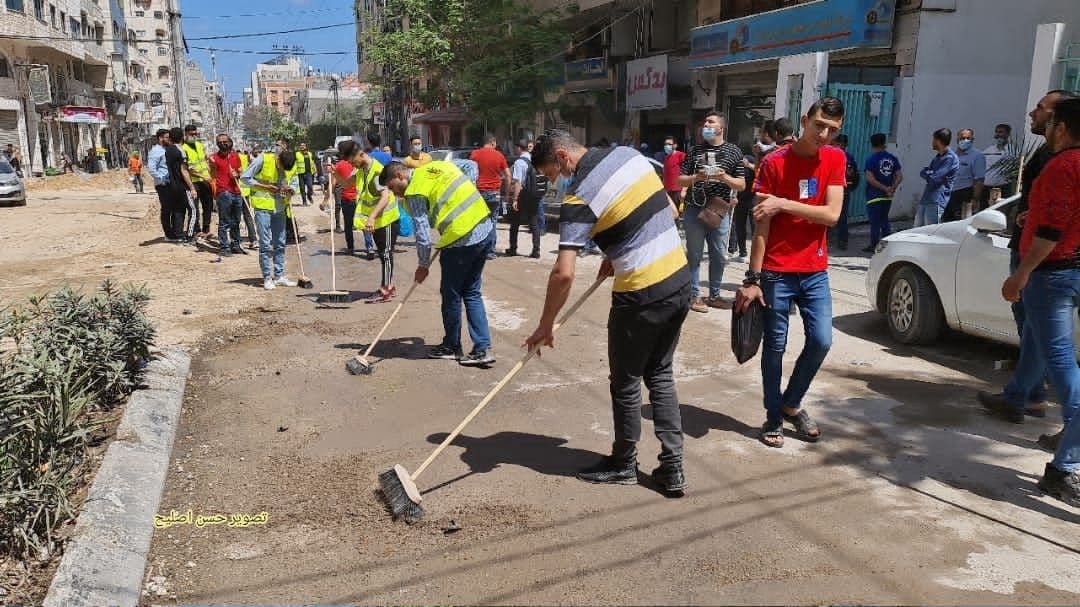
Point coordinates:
[(615, 197), (272, 179), (378, 216), (439, 195)]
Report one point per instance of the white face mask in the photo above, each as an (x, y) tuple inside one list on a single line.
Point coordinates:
[(417, 148)]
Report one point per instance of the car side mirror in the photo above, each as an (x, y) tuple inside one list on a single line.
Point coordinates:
[(990, 221)]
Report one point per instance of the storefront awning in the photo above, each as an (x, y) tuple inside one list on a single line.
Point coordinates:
[(447, 116)]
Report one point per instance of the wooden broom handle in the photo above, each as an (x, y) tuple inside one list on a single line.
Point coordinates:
[(502, 382), (397, 309), (333, 266), (299, 253)]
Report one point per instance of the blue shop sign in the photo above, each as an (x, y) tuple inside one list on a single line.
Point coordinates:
[(825, 25), (587, 74)]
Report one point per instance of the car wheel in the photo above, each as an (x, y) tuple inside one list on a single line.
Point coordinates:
[(914, 312)]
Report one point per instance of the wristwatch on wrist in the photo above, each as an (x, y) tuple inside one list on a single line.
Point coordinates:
[(751, 278)]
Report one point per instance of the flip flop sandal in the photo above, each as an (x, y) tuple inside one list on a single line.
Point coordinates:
[(772, 435), (805, 427)]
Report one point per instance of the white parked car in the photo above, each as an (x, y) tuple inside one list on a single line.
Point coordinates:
[(947, 274), (12, 190)]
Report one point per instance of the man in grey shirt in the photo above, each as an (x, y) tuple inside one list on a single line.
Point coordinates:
[(970, 175)]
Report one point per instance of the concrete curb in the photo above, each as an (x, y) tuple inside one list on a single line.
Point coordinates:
[(104, 561)]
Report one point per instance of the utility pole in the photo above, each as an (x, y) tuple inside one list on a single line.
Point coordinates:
[(335, 85), (179, 64)]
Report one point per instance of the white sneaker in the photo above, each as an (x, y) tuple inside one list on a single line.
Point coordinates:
[(269, 285), (284, 282)]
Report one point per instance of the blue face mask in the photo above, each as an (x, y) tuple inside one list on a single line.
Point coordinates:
[(708, 133), (669, 149), (563, 183), (1001, 141), (965, 144)]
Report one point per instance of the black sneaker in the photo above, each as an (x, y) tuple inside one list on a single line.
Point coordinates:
[(444, 353), (510, 253), (1050, 442), (1065, 486), (535, 255), (239, 249), (670, 478), (478, 358), (609, 472), (370, 255), (997, 403)]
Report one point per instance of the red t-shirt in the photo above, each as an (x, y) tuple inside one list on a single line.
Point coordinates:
[(343, 169), (672, 170), (795, 244), (224, 171), (1054, 210), (490, 164)]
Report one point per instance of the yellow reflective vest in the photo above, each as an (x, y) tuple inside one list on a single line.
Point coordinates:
[(367, 195), (303, 159), (261, 199), (196, 158), (244, 162), (454, 204)]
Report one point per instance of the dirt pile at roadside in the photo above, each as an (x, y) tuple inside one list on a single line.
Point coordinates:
[(85, 182)]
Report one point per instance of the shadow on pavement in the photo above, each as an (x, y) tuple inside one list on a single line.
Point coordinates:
[(697, 422), (406, 348), (543, 454)]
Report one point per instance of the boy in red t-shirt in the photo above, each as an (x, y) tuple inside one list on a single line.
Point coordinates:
[(800, 193)]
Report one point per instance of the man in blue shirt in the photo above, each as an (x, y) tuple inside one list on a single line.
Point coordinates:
[(970, 176), (883, 177), (375, 149), (939, 177)]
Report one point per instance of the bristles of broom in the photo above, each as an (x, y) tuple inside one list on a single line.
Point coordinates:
[(397, 498), (335, 297)]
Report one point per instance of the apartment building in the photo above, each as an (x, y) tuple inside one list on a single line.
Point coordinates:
[(275, 82), (153, 64)]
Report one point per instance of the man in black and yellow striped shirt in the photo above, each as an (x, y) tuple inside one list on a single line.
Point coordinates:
[(614, 197)]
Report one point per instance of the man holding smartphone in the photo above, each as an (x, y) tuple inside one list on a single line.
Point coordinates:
[(710, 172)]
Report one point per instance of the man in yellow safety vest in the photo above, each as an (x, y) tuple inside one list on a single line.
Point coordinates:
[(199, 168), (305, 170), (377, 216), (245, 193), (272, 179), (438, 195)]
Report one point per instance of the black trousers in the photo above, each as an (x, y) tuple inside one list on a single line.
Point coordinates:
[(166, 211), (182, 211), (744, 227), (206, 204), (523, 217), (641, 347), (955, 209), (348, 210), (385, 241)]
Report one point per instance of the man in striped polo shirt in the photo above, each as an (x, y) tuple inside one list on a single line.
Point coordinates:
[(615, 198)]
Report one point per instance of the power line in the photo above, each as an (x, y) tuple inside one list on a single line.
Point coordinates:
[(278, 52), (257, 34), (303, 12)]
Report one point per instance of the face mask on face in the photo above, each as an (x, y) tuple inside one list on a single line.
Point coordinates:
[(669, 149), (965, 144), (417, 148), (189, 139), (1001, 141), (224, 147), (276, 149), (708, 133)]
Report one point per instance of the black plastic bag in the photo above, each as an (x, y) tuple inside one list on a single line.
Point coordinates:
[(746, 331)]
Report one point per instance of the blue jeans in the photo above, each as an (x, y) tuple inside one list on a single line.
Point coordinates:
[(494, 203), (541, 217), (927, 214), (1050, 302), (271, 241), (811, 293), (462, 268), (307, 192), (1038, 393), (230, 209), (697, 234), (878, 213)]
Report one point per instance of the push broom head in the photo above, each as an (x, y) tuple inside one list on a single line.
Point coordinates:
[(304, 282), (334, 297), (401, 495), (358, 365)]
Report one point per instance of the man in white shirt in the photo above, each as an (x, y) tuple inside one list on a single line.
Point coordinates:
[(994, 154)]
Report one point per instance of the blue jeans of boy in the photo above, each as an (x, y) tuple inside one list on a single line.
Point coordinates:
[(230, 210), (271, 226), (697, 236), (811, 292), (1050, 301), (462, 269)]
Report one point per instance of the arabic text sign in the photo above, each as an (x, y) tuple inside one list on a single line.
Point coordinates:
[(825, 25), (646, 83), (83, 115), (587, 75)]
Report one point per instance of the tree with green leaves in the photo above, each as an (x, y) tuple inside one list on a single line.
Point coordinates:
[(490, 56), (258, 121), (288, 130)]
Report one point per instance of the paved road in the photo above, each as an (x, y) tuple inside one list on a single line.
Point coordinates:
[(913, 496)]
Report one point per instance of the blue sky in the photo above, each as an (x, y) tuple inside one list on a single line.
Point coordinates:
[(205, 18)]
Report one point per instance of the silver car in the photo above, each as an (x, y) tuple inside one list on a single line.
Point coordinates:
[(12, 191)]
